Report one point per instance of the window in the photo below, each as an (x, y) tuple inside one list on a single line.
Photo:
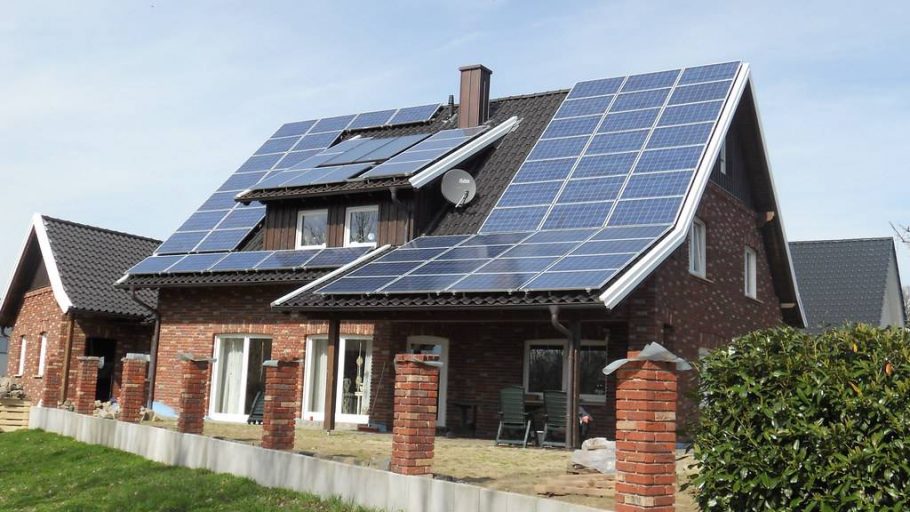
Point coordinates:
[(237, 375), (545, 367), (722, 159), (697, 250), (355, 357), (311, 229), (360, 226), (42, 354), (23, 348), (750, 271)]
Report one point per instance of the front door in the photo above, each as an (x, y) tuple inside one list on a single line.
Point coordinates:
[(99, 347), (440, 347)]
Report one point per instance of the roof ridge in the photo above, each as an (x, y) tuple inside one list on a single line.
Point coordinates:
[(530, 95), (97, 228), (843, 240)]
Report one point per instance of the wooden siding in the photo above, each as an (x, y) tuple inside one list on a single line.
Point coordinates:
[(736, 181), (280, 231)]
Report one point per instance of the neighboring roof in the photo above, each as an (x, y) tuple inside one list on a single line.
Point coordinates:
[(844, 280), (494, 171), (82, 263)]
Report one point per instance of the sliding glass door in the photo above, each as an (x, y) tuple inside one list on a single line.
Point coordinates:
[(352, 404), (237, 375)]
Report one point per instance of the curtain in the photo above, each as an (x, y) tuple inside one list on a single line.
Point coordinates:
[(316, 376), (229, 385)]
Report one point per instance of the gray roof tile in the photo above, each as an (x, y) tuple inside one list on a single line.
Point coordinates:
[(842, 280)]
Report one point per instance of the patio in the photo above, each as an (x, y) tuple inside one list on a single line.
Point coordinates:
[(475, 461)]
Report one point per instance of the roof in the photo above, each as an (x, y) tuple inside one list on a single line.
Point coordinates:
[(495, 172), (82, 263), (844, 280)]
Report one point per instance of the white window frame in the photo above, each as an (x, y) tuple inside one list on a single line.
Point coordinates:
[(347, 225), (306, 412), (42, 354), (298, 242), (443, 371), (565, 369), (23, 348), (216, 370), (750, 273), (698, 252), (722, 158)]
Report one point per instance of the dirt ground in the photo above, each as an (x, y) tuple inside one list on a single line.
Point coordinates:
[(475, 461)]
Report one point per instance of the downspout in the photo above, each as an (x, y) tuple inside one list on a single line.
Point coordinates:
[(153, 350), (409, 225), (573, 338)]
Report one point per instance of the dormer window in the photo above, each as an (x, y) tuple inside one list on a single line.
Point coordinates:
[(311, 229), (361, 225)]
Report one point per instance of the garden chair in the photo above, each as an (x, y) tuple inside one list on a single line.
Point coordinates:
[(513, 417), (554, 404)]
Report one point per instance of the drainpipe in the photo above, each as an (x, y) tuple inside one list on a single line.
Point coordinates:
[(153, 351), (573, 337)]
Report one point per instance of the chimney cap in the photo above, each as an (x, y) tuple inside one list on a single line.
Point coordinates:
[(475, 66)]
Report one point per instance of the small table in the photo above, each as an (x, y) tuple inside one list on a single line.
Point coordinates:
[(467, 426)]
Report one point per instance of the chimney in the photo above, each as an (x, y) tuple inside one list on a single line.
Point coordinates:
[(474, 104)]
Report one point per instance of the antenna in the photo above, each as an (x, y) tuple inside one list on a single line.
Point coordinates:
[(458, 187)]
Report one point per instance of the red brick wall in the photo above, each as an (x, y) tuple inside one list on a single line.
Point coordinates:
[(191, 318), (39, 314), (689, 312)]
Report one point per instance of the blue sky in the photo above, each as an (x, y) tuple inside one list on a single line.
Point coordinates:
[(128, 114)]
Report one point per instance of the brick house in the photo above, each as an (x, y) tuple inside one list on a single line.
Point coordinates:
[(61, 304), (580, 225)]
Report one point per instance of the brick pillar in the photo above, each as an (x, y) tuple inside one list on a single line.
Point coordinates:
[(86, 383), (192, 394), (414, 425), (132, 391), (646, 437), (53, 383), (280, 410)]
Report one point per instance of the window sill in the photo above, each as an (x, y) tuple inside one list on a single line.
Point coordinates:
[(703, 279), (37, 376), (754, 299)]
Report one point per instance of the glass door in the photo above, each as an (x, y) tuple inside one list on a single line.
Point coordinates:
[(352, 402), (237, 376), (440, 347)]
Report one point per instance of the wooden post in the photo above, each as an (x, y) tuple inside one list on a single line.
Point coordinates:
[(572, 386), (331, 374)]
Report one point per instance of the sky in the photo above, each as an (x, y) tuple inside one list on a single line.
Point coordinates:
[(127, 115)]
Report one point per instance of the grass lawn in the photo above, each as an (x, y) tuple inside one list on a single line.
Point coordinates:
[(42, 471)]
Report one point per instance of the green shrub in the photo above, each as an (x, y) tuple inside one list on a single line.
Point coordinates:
[(791, 421)]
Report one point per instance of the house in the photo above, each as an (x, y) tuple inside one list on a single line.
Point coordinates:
[(61, 304), (579, 224), (849, 281)]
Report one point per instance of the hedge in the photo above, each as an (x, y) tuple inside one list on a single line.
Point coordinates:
[(791, 421)]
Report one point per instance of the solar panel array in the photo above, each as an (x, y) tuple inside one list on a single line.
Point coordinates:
[(221, 223), (605, 180), (247, 261)]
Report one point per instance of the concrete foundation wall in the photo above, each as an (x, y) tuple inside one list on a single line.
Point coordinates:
[(364, 486)]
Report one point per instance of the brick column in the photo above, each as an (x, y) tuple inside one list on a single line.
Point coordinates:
[(280, 408), (53, 383), (414, 425), (86, 383), (192, 394), (646, 437), (132, 391)]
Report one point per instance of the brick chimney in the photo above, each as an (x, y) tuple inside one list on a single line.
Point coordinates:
[(474, 104)]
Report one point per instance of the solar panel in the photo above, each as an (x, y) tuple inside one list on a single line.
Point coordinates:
[(392, 269), (286, 260), (222, 240), (606, 179), (192, 263), (153, 265), (371, 119), (336, 256), (236, 261), (425, 152), (417, 114)]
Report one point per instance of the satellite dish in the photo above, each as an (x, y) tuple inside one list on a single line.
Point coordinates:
[(458, 187)]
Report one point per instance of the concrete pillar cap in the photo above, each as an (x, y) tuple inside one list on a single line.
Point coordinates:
[(190, 357), (137, 357)]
